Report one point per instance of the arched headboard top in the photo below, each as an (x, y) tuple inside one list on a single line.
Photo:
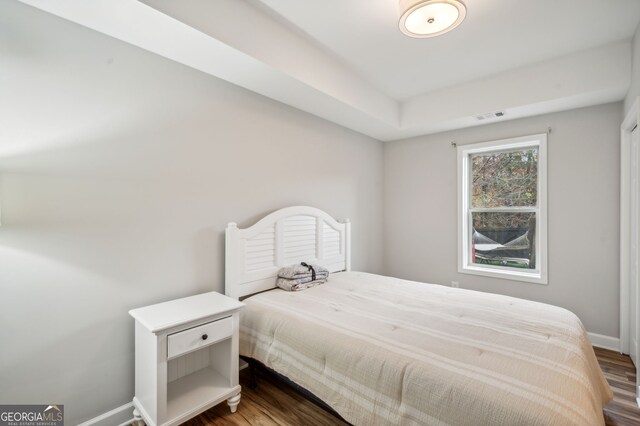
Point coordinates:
[(285, 237)]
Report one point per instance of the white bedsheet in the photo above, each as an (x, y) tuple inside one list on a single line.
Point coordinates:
[(381, 350)]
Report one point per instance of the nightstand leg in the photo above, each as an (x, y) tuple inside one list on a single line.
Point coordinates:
[(233, 402), (137, 418)]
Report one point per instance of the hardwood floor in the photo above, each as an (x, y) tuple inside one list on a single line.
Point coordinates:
[(620, 374), (274, 403)]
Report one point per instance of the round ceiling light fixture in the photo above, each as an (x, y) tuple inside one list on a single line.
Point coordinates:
[(430, 18)]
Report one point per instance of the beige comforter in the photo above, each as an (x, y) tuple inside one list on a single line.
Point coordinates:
[(382, 350)]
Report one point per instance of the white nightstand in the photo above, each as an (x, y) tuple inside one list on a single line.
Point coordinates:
[(186, 358)]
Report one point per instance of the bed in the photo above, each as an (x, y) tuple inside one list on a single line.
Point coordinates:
[(381, 350)]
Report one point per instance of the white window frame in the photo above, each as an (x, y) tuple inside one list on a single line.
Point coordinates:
[(465, 228)]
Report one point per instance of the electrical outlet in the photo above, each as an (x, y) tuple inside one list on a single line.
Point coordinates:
[(455, 284)]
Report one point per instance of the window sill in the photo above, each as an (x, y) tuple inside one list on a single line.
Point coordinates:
[(505, 275)]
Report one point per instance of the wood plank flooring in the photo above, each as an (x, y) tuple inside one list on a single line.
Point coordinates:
[(621, 375), (274, 403)]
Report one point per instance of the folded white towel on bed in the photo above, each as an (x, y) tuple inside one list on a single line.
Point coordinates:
[(297, 285), (303, 270), (302, 276)]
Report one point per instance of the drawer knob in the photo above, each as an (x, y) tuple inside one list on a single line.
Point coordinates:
[(205, 337)]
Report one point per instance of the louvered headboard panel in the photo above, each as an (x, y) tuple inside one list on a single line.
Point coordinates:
[(285, 237)]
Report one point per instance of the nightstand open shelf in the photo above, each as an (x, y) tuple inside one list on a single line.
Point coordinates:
[(194, 391), (186, 358)]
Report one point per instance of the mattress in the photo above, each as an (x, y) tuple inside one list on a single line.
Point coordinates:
[(381, 350)]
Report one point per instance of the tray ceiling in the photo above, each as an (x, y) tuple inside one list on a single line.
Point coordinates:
[(347, 62)]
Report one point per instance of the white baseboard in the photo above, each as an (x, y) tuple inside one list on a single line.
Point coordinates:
[(121, 416), (605, 342)]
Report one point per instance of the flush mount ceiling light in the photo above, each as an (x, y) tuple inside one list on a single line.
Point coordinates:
[(430, 18)]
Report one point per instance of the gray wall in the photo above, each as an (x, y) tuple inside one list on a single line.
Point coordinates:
[(583, 207), (634, 89), (120, 171)]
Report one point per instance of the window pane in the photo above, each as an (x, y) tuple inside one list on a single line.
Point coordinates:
[(504, 239), (505, 179)]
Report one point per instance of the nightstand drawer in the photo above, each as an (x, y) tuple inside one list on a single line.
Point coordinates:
[(198, 337)]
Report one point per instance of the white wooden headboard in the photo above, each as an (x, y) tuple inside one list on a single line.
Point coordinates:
[(285, 237)]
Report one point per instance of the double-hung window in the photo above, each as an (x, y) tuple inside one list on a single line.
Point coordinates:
[(502, 225)]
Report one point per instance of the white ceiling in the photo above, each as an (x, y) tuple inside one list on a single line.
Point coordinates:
[(346, 61), (496, 36)]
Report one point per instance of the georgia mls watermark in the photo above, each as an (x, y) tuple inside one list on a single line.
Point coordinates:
[(32, 415)]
